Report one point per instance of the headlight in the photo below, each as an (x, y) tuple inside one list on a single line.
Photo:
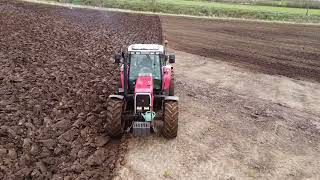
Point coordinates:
[(139, 108), (146, 108)]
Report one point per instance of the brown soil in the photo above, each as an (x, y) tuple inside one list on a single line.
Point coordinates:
[(233, 124), (280, 49), (56, 72), (236, 123)]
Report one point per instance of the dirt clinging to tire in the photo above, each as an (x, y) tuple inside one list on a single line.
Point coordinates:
[(56, 74)]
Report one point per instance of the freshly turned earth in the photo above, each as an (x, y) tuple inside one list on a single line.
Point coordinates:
[(56, 73)]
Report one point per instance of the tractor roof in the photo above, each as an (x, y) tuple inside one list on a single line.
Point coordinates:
[(146, 48)]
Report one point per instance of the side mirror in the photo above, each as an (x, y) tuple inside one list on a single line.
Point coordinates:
[(172, 58), (117, 58)]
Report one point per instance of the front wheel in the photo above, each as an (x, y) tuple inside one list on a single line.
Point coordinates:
[(170, 119), (115, 124)]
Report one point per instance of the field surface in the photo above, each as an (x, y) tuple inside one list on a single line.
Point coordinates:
[(55, 76), (249, 97), (282, 49), (249, 104)]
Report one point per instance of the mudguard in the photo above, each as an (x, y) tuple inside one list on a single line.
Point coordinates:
[(171, 98), (116, 96)]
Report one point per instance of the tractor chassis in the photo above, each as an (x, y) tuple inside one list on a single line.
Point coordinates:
[(135, 123)]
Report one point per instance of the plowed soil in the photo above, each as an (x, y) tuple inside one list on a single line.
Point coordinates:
[(290, 50), (56, 73)]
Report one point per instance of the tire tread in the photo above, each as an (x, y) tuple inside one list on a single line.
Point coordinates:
[(171, 114), (114, 126)]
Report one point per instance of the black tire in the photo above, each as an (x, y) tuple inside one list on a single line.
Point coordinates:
[(115, 124), (171, 88), (170, 119)]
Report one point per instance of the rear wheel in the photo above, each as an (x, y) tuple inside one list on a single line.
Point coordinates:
[(115, 124), (171, 88), (170, 119)]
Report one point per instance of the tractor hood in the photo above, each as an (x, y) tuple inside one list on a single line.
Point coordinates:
[(144, 84)]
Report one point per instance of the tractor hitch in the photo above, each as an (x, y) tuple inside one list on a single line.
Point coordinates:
[(148, 116)]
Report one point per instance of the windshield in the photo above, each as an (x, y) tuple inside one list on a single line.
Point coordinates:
[(144, 63)]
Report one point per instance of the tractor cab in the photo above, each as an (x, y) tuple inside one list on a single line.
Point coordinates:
[(145, 59)]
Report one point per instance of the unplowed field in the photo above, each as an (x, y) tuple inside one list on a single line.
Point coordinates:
[(56, 73), (290, 50), (243, 113)]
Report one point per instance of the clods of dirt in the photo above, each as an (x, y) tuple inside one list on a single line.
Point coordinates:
[(56, 73)]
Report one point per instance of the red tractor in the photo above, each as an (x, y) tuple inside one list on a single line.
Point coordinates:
[(146, 96)]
